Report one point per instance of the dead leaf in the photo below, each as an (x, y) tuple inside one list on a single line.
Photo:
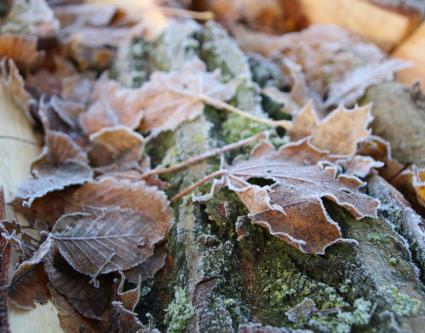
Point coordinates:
[(116, 148), (124, 321), (112, 105), (359, 166), (108, 241), (48, 179), (28, 283), (333, 60), (177, 96), (148, 269), (354, 84), (62, 163), (14, 86), (30, 17), (129, 298), (339, 132), (291, 208), (88, 300)]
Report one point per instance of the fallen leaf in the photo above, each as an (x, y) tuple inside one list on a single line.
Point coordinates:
[(177, 96), (339, 132), (147, 269), (48, 179), (61, 164), (131, 297), (30, 17), (122, 320), (116, 148), (354, 84), (112, 105), (108, 241), (88, 300), (14, 86), (28, 283), (291, 207), (359, 166), (333, 60)]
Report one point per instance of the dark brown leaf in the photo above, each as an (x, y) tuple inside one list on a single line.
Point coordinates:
[(88, 300)]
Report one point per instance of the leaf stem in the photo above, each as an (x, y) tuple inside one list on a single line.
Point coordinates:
[(192, 187), (286, 124), (202, 157)]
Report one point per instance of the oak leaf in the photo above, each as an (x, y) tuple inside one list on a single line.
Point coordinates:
[(291, 208), (339, 132)]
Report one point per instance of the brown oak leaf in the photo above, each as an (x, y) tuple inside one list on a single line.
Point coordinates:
[(339, 132), (292, 208), (174, 97)]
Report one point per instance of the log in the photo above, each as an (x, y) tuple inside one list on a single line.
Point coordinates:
[(216, 283), (384, 26)]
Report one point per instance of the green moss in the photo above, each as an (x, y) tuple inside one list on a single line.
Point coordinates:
[(179, 312), (401, 303)]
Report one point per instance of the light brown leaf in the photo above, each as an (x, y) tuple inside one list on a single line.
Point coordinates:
[(359, 166), (291, 208), (14, 85), (22, 49), (131, 297), (339, 132), (112, 105), (108, 241), (88, 300), (333, 60), (116, 148), (178, 96)]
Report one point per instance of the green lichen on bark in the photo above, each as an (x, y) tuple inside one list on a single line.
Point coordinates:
[(179, 312)]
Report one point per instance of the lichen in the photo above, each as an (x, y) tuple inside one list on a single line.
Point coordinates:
[(401, 303), (179, 312)]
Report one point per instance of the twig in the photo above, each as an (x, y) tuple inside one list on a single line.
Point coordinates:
[(286, 124), (202, 157), (189, 189), (11, 137), (203, 16)]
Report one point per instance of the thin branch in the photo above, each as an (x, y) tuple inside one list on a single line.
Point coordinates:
[(202, 16), (192, 187), (202, 157), (11, 137)]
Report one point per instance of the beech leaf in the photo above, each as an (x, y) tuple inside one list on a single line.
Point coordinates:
[(339, 132), (112, 105), (174, 97), (292, 208)]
